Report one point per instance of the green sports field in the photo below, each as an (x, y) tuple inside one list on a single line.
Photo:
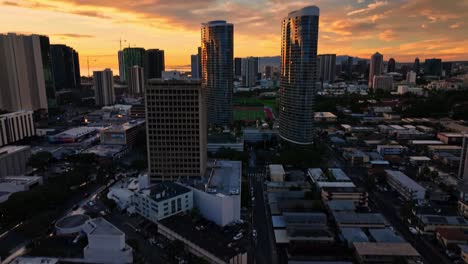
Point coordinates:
[(249, 115)]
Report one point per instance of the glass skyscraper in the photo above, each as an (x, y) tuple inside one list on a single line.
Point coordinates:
[(154, 63), (217, 70), (132, 57), (299, 75)]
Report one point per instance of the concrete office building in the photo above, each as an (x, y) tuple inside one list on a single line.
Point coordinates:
[(16, 126), (130, 58), (327, 65), (162, 200), (405, 186), (154, 63), (249, 71), (13, 160), (26, 73), (66, 67), (383, 82), (463, 168), (125, 134), (217, 70), (176, 129), (376, 66), (136, 80), (195, 63), (104, 87), (299, 75)]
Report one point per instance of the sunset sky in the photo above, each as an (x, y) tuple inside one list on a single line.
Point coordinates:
[(402, 29)]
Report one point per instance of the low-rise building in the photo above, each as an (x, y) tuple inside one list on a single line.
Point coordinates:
[(456, 150), (276, 172), (255, 135), (123, 134), (451, 237), (13, 160), (13, 184), (361, 220), (73, 135), (372, 252), (390, 149), (162, 200), (16, 126), (429, 223), (405, 186), (324, 117), (450, 138)]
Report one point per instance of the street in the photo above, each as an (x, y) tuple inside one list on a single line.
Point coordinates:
[(263, 246)]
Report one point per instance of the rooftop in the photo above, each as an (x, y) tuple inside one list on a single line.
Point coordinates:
[(359, 218), (125, 126), (100, 226), (217, 240), (165, 190), (76, 132), (72, 221), (453, 233), (11, 149), (405, 180), (385, 235), (385, 249), (108, 151), (442, 220)]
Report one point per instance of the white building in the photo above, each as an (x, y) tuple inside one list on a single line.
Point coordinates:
[(162, 200), (218, 195), (13, 184), (16, 126), (403, 89), (13, 160), (405, 186), (249, 71), (104, 87), (276, 172), (106, 243)]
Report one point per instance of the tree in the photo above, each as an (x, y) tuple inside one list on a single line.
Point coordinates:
[(40, 160)]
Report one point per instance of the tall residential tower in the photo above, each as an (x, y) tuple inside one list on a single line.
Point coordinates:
[(376, 67), (217, 70), (104, 87), (299, 75)]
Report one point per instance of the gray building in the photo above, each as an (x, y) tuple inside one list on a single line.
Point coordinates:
[(16, 126), (136, 80), (217, 70), (299, 75), (25, 73), (154, 63), (463, 169), (376, 67), (195, 63), (249, 71), (13, 160), (104, 87), (327, 65), (176, 129)]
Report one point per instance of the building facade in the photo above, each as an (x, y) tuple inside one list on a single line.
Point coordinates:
[(249, 71), (299, 75), (391, 66), (154, 63), (16, 126), (433, 67), (383, 82), (217, 70), (104, 87), (13, 160), (66, 67), (194, 66), (327, 65), (376, 65), (176, 129), (26, 73), (136, 80)]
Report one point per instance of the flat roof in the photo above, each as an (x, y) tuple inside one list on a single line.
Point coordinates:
[(385, 249), (359, 218), (276, 168), (449, 147), (281, 236), (426, 142), (164, 190), (341, 205), (339, 174), (354, 234), (442, 220), (125, 126), (214, 239), (76, 132), (11, 149), (278, 221), (451, 134), (324, 114), (404, 180), (105, 150), (386, 235), (72, 221), (323, 184), (100, 226), (420, 158)]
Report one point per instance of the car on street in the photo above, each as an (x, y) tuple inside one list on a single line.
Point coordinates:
[(238, 236), (413, 230), (254, 233)]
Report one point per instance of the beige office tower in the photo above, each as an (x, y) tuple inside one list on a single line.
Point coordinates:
[(23, 78), (176, 129)]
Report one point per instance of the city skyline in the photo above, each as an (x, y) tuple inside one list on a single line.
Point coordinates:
[(357, 27)]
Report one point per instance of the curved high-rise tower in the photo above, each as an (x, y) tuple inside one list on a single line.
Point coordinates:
[(217, 70), (299, 75)]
